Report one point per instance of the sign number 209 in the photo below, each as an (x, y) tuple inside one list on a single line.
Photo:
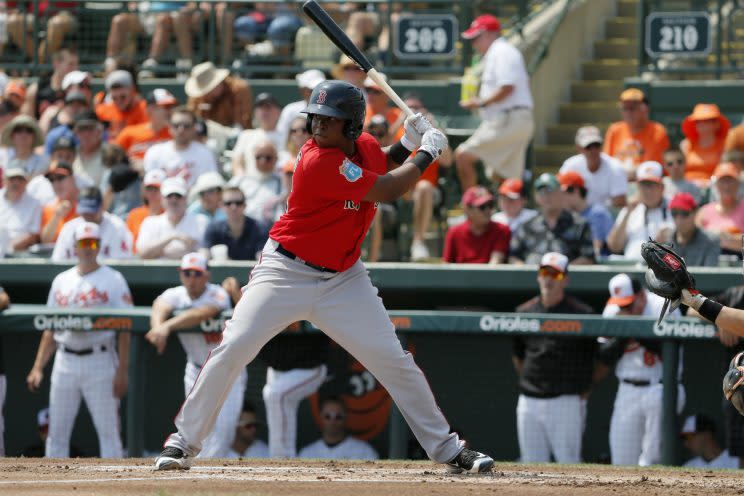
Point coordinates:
[(425, 36)]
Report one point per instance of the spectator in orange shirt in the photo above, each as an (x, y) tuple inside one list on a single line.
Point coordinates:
[(136, 139), (378, 103), (705, 133), (64, 207), (122, 106), (153, 203), (215, 95), (635, 139)]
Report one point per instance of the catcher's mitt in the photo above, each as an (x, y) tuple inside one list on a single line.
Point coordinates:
[(733, 383), (667, 274)]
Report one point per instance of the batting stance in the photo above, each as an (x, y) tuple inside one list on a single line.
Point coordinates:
[(86, 364), (199, 300), (635, 427), (310, 270)]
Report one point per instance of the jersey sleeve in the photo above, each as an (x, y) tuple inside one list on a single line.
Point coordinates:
[(221, 298), (144, 239), (169, 297), (333, 176), (124, 295), (51, 302)]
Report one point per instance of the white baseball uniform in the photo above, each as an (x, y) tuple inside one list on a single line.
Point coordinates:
[(198, 346), (188, 164), (85, 362), (258, 449), (348, 449), (636, 423), (724, 460), (158, 227), (116, 240)]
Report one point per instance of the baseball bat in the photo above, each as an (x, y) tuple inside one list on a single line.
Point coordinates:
[(334, 33)]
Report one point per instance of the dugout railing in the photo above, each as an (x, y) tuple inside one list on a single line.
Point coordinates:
[(22, 318)]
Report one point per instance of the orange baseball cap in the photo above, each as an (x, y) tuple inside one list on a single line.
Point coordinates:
[(571, 179), (512, 188), (633, 95), (16, 88), (705, 112)]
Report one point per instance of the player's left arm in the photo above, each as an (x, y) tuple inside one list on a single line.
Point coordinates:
[(400, 152), (121, 378)]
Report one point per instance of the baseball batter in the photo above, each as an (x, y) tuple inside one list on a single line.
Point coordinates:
[(199, 300), (86, 364), (310, 270), (635, 427)]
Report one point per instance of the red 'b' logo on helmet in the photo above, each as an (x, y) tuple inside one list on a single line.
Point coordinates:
[(322, 96)]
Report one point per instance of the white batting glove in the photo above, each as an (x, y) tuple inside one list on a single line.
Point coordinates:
[(415, 127), (433, 142)]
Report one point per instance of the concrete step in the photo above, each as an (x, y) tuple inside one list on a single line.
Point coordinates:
[(627, 8), (596, 91), (621, 27), (613, 69), (616, 48), (553, 155), (588, 112), (564, 134)]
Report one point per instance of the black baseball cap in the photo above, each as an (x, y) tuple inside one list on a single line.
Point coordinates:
[(266, 99), (86, 117), (63, 143)]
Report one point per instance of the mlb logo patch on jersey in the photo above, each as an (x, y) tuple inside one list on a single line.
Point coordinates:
[(351, 171)]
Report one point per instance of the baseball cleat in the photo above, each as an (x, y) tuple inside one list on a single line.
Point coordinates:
[(173, 459), (470, 461)]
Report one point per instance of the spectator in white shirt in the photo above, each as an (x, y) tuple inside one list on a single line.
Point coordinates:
[(88, 165), (335, 441), (505, 104), (699, 435), (115, 241), (246, 444), (20, 212), (263, 191), (266, 112), (175, 232), (183, 156), (646, 216), (604, 177), (511, 205), (306, 83)]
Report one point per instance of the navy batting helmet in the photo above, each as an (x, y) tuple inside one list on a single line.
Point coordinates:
[(341, 100)]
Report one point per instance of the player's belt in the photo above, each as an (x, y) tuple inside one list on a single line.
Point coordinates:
[(639, 383), (291, 255), (86, 351)]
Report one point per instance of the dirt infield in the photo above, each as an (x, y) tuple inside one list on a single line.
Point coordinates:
[(136, 477)]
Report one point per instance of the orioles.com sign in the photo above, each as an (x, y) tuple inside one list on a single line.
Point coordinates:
[(77, 323), (521, 324)]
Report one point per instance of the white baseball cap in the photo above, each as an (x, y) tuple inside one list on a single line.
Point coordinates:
[(649, 171), (207, 181), (588, 135), (310, 78), (174, 185), (555, 260), (194, 261), (74, 77), (87, 230), (621, 291), (154, 177)]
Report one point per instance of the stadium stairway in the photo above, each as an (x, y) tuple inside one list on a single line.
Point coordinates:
[(594, 97)]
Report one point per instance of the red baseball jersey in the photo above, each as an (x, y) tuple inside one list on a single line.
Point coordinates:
[(326, 219), (462, 246)]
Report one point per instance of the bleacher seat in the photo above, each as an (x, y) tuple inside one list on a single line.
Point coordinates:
[(313, 49)]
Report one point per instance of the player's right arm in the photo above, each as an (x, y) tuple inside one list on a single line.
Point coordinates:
[(158, 333), (47, 347)]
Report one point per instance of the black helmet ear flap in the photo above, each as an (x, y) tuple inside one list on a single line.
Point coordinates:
[(309, 124)]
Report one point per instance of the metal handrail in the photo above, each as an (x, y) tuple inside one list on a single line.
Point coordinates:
[(547, 39)]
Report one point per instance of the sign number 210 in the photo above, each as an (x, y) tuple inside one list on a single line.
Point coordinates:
[(678, 38)]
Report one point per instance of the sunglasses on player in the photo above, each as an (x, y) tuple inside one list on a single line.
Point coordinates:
[(551, 273), (91, 244)]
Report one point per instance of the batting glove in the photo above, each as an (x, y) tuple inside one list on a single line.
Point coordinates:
[(415, 127), (433, 142)]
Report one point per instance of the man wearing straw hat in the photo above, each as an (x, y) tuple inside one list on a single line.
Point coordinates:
[(20, 137), (215, 95)]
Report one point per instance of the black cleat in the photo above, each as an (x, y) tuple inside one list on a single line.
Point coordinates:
[(173, 459), (470, 461)]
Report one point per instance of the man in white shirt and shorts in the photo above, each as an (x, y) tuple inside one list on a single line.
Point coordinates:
[(505, 104)]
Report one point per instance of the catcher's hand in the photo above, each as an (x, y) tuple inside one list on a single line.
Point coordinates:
[(667, 275), (733, 381)]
